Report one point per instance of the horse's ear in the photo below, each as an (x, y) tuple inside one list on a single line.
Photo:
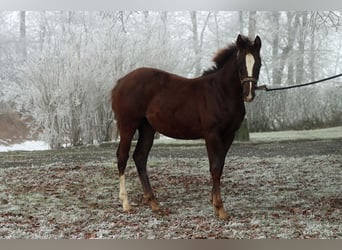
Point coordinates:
[(257, 43), (240, 42)]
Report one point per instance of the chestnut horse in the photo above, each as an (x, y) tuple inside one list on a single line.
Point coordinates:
[(210, 107)]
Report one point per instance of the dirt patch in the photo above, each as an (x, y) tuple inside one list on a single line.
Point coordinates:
[(73, 193), (13, 128)]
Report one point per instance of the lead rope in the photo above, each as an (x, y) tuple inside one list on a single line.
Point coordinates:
[(264, 87)]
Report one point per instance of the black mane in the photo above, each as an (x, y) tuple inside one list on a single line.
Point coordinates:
[(223, 55)]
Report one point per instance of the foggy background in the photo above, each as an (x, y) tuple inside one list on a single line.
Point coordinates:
[(57, 68)]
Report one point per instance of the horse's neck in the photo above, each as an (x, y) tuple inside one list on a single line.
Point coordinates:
[(228, 79)]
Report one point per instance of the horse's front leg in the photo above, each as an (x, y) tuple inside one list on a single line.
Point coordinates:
[(217, 150), (216, 199)]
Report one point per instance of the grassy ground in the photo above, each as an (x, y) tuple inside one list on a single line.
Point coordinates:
[(315, 134), (271, 189)]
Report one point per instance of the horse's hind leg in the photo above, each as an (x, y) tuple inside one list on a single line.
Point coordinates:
[(143, 147), (122, 154)]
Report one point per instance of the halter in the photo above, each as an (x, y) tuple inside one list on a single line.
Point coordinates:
[(249, 79)]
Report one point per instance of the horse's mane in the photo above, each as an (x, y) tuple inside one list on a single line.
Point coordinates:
[(223, 55)]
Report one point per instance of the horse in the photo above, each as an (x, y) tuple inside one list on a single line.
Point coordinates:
[(209, 107)]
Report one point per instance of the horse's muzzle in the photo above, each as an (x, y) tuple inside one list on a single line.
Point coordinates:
[(248, 85)]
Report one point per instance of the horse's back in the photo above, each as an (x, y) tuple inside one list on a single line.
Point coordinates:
[(131, 83), (134, 91), (143, 75), (145, 83)]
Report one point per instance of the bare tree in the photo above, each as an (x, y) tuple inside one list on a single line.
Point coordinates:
[(243, 133), (197, 39), (23, 34), (251, 23), (276, 69), (300, 66), (241, 22)]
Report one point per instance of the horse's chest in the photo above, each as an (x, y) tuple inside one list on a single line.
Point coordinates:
[(227, 117)]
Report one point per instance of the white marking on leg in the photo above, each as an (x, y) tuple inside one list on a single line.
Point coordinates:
[(250, 64), (123, 194)]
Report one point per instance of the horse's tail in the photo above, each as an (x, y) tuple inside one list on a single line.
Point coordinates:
[(113, 93)]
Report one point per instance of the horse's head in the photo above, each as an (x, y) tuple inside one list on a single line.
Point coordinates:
[(249, 64)]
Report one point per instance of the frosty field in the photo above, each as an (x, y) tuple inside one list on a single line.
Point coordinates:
[(272, 189)]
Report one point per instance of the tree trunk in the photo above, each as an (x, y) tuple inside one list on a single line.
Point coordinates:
[(252, 24), (243, 133), (276, 71), (195, 42), (42, 31), (241, 22), (218, 40), (291, 36), (312, 56), (301, 49), (290, 41), (23, 34)]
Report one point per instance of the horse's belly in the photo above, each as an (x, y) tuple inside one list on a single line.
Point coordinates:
[(180, 134), (175, 127)]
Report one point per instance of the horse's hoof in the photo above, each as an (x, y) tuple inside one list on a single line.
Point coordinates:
[(126, 207), (155, 207), (224, 216)]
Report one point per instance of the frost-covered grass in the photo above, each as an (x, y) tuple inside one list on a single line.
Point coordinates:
[(74, 194), (258, 137), (326, 133)]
